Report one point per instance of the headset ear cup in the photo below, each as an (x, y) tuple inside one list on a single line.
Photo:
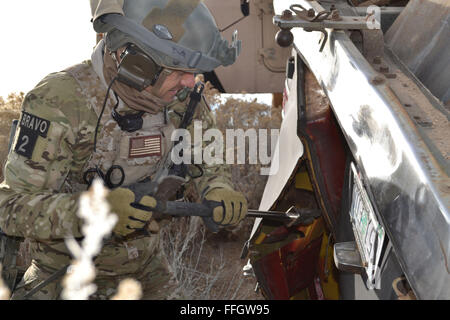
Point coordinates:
[(136, 69)]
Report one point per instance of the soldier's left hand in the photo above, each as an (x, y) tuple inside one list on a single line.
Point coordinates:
[(233, 209)]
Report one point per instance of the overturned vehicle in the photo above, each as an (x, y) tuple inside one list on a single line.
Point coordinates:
[(364, 140)]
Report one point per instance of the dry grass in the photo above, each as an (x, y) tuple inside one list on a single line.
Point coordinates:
[(239, 114), (9, 110), (206, 266)]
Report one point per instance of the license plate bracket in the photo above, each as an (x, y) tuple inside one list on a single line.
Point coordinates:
[(369, 233)]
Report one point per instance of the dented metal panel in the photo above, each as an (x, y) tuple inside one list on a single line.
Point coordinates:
[(420, 37)]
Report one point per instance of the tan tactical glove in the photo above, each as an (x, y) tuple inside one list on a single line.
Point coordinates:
[(130, 219), (233, 208)]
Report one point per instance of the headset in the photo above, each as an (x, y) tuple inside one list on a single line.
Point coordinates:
[(138, 70)]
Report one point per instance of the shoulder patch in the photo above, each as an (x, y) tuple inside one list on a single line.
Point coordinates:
[(30, 128)]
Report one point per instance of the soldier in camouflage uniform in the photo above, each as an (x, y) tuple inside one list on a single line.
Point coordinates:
[(62, 119)]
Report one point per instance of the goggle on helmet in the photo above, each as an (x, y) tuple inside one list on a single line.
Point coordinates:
[(178, 35)]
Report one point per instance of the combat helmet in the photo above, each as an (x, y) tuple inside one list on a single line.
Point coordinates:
[(176, 34)]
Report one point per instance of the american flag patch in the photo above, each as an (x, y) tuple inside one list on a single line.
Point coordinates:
[(145, 146)]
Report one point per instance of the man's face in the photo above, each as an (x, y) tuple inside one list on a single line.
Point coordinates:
[(171, 84), (167, 87)]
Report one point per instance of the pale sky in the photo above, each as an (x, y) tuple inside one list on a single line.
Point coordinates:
[(43, 36), (39, 37)]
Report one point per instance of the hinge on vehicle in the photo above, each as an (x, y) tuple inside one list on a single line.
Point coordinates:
[(299, 17)]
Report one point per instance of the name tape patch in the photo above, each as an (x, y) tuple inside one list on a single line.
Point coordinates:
[(30, 128), (145, 146), (39, 125)]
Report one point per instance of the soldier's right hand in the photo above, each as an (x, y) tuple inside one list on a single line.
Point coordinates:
[(130, 219)]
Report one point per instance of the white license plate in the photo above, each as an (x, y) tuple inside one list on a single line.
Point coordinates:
[(369, 233)]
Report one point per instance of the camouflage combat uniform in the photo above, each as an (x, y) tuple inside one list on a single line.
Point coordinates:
[(52, 149)]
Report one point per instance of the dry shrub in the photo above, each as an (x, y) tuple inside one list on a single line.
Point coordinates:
[(241, 114), (13, 101), (9, 110), (202, 269), (182, 243)]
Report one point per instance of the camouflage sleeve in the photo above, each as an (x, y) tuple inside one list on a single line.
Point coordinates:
[(52, 138)]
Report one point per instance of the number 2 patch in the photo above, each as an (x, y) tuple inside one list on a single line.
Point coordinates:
[(30, 128)]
